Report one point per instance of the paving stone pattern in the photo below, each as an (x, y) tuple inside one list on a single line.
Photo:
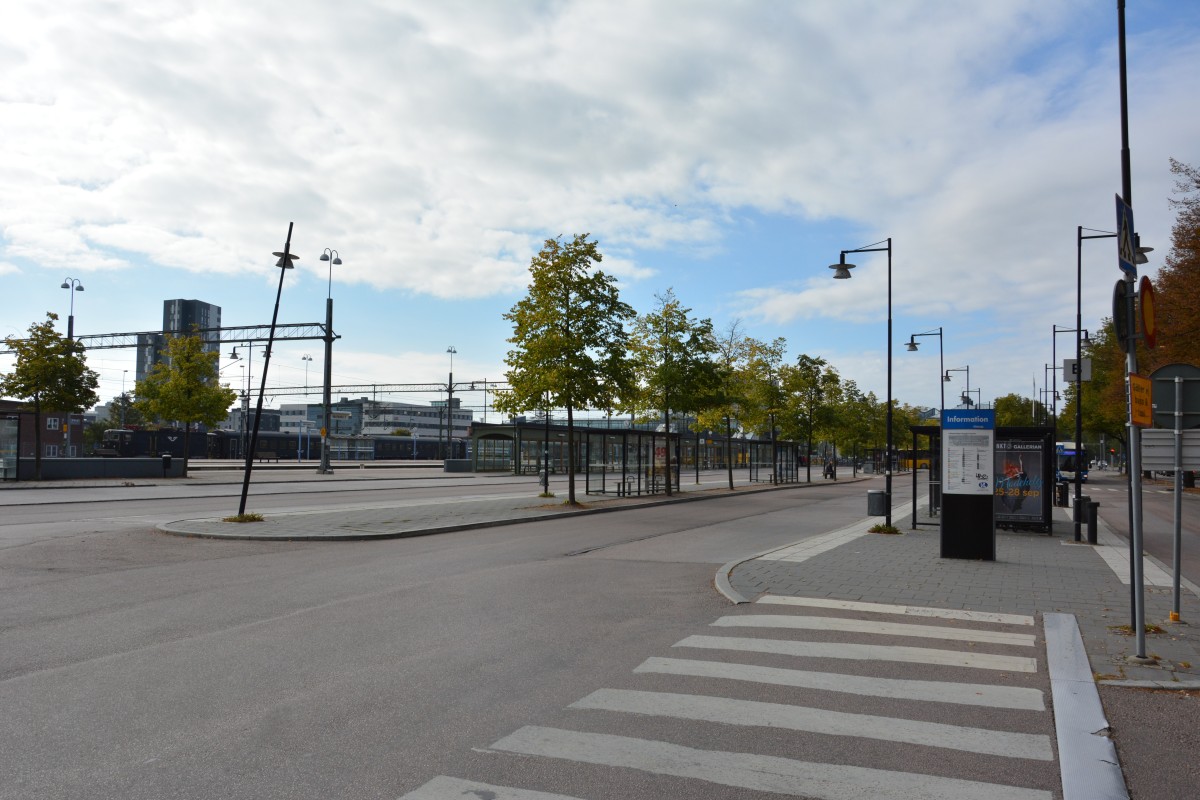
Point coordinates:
[(1032, 574)]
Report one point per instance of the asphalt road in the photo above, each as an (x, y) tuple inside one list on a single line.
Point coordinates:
[(138, 665), (1158, 517)]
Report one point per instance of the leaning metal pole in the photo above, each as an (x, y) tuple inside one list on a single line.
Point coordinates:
[(284, 264)]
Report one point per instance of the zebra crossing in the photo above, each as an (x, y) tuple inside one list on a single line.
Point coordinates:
[(801, 697)]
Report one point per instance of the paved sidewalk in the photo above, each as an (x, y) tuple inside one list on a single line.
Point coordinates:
[(1032, 574), (423, 516)]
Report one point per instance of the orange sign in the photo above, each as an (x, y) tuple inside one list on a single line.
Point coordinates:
[(1146, 296), (1141, 411)]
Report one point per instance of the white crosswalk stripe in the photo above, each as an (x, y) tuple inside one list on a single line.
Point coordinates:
[(818, 720), (995, 714), (874, 626), (886, 608), (751, 771), (866, 652), (980, 694)]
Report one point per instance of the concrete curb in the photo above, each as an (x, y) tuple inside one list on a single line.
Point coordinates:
[(711, 494)]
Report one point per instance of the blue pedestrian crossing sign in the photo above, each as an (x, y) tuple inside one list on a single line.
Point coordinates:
[(1126, 249)]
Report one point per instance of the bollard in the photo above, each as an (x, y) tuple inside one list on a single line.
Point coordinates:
[(166, 463), (1092, 510)]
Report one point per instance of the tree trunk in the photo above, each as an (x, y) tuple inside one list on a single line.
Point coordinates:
[(37, 439), (569, 460), (667, 433), (729, 450), (187, 449)]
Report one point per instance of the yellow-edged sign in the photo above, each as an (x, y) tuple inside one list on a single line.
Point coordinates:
[(1141, 411)]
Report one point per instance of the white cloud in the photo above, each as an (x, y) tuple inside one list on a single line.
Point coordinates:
[(436, 145)]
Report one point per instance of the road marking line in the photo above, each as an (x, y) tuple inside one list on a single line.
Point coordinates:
[(973, 694), (846, 625), (816, 545), (752, 771), (446, 788), (1115, 552), (752, 713), (886, 608), (864, 652)]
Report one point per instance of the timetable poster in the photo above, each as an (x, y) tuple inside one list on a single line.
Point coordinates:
[(968, 444), (1019, 480)]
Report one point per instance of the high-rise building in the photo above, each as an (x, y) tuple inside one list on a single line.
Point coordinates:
[(179, 317)]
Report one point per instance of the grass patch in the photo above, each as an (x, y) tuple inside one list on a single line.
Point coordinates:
[(243, 518), (890, 530)]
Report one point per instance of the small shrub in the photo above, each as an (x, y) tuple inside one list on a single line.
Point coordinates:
[(244, 518)]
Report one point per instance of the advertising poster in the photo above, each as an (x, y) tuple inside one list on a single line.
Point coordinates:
[(1019, 481), (968, 442)]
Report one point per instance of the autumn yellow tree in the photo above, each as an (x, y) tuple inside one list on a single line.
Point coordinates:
[(1177, 286)]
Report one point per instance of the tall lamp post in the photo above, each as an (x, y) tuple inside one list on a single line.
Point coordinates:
[(967, 369), (912, 348), (450, 406), (286, 257), (73, 285), (842, 271), (935, 458), (124, 372), (334, 259)]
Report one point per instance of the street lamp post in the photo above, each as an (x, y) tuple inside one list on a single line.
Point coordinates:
[(334, 259), (124, 372), (934, 458), (450, 406), (842, 271), (967, 369), (73, 285), (307, 359), (912, 348), (286, 257)]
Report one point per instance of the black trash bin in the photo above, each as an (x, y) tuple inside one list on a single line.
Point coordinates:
[(1093, 508), (166, 461), (877, 503), (1061, 493)]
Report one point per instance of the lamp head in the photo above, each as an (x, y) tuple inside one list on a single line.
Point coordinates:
[(842, 269), (285, 261), (912, 344), (65, 285)]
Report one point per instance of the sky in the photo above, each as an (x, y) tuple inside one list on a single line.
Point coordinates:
[(725, 149)]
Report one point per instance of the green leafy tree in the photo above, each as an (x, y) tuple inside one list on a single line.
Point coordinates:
[(569, 339), (730, 394), (674, 356), (1104, 403), (1012, 410), (124, 413), (814, 390), (51, 374), (183, 387)]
